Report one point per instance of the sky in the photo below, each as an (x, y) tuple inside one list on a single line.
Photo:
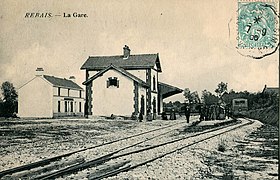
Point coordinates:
[(191, 37)]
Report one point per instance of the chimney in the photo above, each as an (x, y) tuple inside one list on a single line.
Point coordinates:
[(72, 78), (39, 71), (126, 52)]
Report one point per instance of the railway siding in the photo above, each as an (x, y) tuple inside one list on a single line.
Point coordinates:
[(147, 152), (140, 157), (106, 148), (40, 147), (191, 162)]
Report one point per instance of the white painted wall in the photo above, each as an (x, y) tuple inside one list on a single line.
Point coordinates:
[(139, 73), (92, 73), (73, 93), (35, 99), (112, 100), (76, 109), (55, 91), (64, 92)]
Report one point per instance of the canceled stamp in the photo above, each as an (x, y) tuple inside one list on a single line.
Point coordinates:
[(257, 28), (256, 25)]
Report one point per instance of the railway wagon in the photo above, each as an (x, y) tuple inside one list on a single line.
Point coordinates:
[(239, 106)]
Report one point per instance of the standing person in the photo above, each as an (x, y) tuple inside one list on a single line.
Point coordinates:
[(140, 116), (154, 113), (154, 108), (149, 115), (202, 113), (226, 112), (163, 116), (206, 113), (173, 114), (187, 113)]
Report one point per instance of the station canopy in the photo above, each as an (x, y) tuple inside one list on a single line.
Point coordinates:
[(166, 90)]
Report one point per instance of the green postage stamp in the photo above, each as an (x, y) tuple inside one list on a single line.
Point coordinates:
[(257, 28)]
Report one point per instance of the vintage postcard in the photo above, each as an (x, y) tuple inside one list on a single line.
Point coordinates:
[(127, 89)]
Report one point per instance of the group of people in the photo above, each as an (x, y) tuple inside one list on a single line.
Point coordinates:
[(187, 113), (150, 116), (214, 112)]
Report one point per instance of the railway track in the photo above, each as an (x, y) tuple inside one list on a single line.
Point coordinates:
[(104, 174), (156, 133), (128, 157)]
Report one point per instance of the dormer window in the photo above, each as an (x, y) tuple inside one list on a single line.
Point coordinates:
[(113, 81)]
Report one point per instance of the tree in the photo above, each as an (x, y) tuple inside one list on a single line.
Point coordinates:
[(222, 88), (194, 97), (191, 97), (9, 101), (208, 98), (187, 94), (177, 104)]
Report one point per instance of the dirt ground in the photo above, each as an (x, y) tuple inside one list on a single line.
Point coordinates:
[(25, 141), (249, 153)]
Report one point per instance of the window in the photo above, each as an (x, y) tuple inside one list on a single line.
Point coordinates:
[(112, 81), (58, 91), (154, 83), (80, 106), (65, 103), (80, 93), (58, 106), (241, 102), (68, 92), (71, 106)]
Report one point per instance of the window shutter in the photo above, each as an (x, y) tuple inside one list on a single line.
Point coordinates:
[(118, 83)]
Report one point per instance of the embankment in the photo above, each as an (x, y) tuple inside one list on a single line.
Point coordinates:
[(269, 115)]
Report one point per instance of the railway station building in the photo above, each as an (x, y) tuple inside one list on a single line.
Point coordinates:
[(47, 96), (125, 85)]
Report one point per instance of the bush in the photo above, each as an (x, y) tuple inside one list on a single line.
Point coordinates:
[(222, 146)]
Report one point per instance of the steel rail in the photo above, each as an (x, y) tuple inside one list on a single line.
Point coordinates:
[(128, 168), (107, 157), (56, 158), (100, 159)]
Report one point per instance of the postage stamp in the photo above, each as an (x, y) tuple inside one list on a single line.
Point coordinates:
[(257, 28), (256, 25)]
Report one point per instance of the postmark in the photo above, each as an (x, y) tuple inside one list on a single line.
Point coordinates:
[(257, 28), (256, 25)]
